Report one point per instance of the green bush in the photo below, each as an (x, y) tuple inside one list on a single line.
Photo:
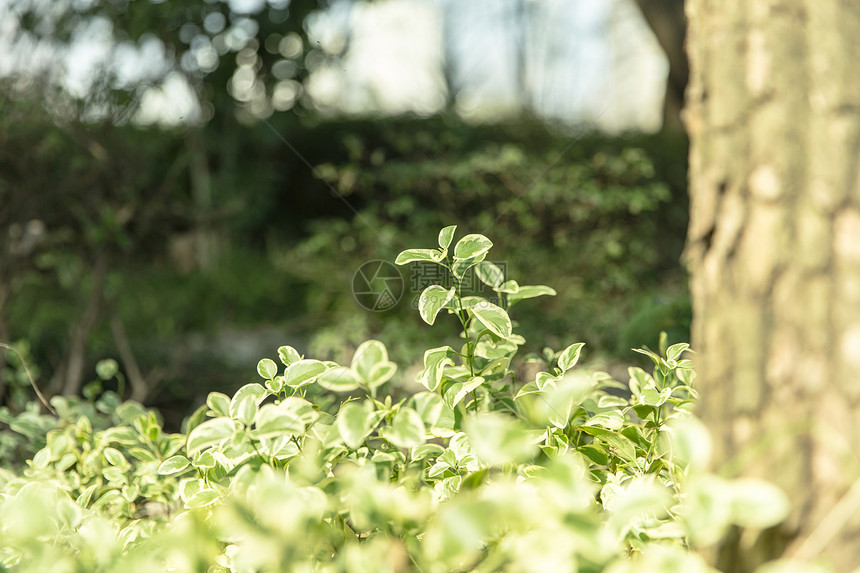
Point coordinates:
[(602, 218), (318, 468)]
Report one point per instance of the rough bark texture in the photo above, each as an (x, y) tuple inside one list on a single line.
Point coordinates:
[(773, 114)]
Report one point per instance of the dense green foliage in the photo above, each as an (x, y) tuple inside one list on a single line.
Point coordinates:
[(281, 248), (318, 468)]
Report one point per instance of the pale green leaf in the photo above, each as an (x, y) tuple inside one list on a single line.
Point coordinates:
[(355, 422), (288, 355), (460, 266), (489, 274), (302, 372), (173, 465), (267, 368), (202, 498), (367, 355), (435, 361), (620, 444), (412, 255), (210, 433), (757, 503), (381, 374), (406, 429), (115, 458), (499, 439), (446, 235), (218, 403), (471, 246), (494, 318), (432, 300), (275, 420), (255, 391), (339, 379), (570, 356), (246, 409)]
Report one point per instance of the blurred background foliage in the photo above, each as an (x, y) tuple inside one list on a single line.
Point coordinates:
[(189, 250)]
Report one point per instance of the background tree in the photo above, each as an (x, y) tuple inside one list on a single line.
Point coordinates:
[(774, 249)]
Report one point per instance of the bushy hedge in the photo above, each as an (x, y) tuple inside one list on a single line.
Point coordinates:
[(317, 468)]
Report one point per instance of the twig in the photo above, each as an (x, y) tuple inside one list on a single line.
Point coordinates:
[(30, 376)]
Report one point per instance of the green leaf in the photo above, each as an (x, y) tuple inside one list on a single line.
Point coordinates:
[(530, 291), (508, 287), (302, 372), (412, 255), (611, 420), (406, 429), (115, 458), (278, 420), (489, 274), (435, 361), (142, 454), (446, 235), (107, 369), (246, 409), (209, 433), (499, 439), (288, 355), (367, 355), (255, 392), (676, 350), (218, 403), (381, 374), (595, 453), (267, 368), (494, 318), (471, 246), (530, 388), (624, 448), (173, 465), (757, 503), (432, 300), (339, 379), (455, 393), (570, 356), (460, 266), (354, 422), (202, 498)]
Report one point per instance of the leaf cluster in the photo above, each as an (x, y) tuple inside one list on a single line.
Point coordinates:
[(479, 471)]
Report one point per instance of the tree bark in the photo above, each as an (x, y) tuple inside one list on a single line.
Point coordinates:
[(773, 114)]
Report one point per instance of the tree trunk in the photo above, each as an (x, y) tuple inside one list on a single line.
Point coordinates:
[(773, 114), (666, 19)]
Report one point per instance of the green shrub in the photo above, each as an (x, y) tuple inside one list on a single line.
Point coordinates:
[(478, 471)]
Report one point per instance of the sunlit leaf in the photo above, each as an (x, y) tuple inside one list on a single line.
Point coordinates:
[(432, 300), (173, 465), (435, 361), (267, 368), (303, 372), (412, 255), (489, 274), (472, 246), (288, 355), (354, 422), (494, 318), (530, 291), (367, 355), (339, 379), (446, 235), (406, 429), (210, 433), (570, 356)]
